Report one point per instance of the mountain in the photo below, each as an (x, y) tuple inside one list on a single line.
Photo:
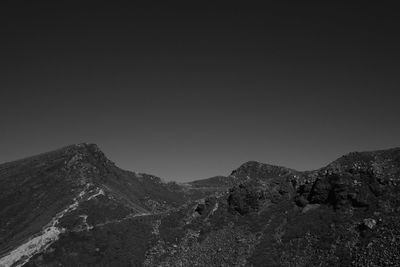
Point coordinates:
[(74, 207), (70, 190)]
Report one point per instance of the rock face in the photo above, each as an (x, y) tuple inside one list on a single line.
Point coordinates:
[(74, 207)]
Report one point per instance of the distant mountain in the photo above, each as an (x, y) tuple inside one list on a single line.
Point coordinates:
[(216, 182), (74, 207)]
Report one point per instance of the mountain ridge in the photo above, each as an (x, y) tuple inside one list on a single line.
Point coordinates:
[(76, 195), (94, 149)]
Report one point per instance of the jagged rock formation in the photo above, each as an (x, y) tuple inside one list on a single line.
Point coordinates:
[(74, 207)]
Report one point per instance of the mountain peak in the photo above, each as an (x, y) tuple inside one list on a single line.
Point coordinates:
[(255, 169), (81, 148), (78, 157)]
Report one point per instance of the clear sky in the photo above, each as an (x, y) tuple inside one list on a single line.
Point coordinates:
[(189, 91)]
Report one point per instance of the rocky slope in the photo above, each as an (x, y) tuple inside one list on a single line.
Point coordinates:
[(72, 190), (74, 207)]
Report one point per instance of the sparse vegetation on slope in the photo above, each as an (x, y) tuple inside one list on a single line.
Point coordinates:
[(344, 214)]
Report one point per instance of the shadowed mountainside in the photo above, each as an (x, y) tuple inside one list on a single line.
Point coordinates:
[(74, 207), (38, 189)]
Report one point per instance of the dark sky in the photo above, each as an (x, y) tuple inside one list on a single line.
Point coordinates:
[(188, 91)]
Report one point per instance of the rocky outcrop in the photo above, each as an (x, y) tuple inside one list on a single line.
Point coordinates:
[(254, 169), (74, 207)]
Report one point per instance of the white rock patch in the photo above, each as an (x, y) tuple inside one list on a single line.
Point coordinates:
[(39, 243), (215, 208), (100, 192)]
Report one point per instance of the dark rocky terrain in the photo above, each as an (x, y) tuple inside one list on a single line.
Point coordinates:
[(74, 207)]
